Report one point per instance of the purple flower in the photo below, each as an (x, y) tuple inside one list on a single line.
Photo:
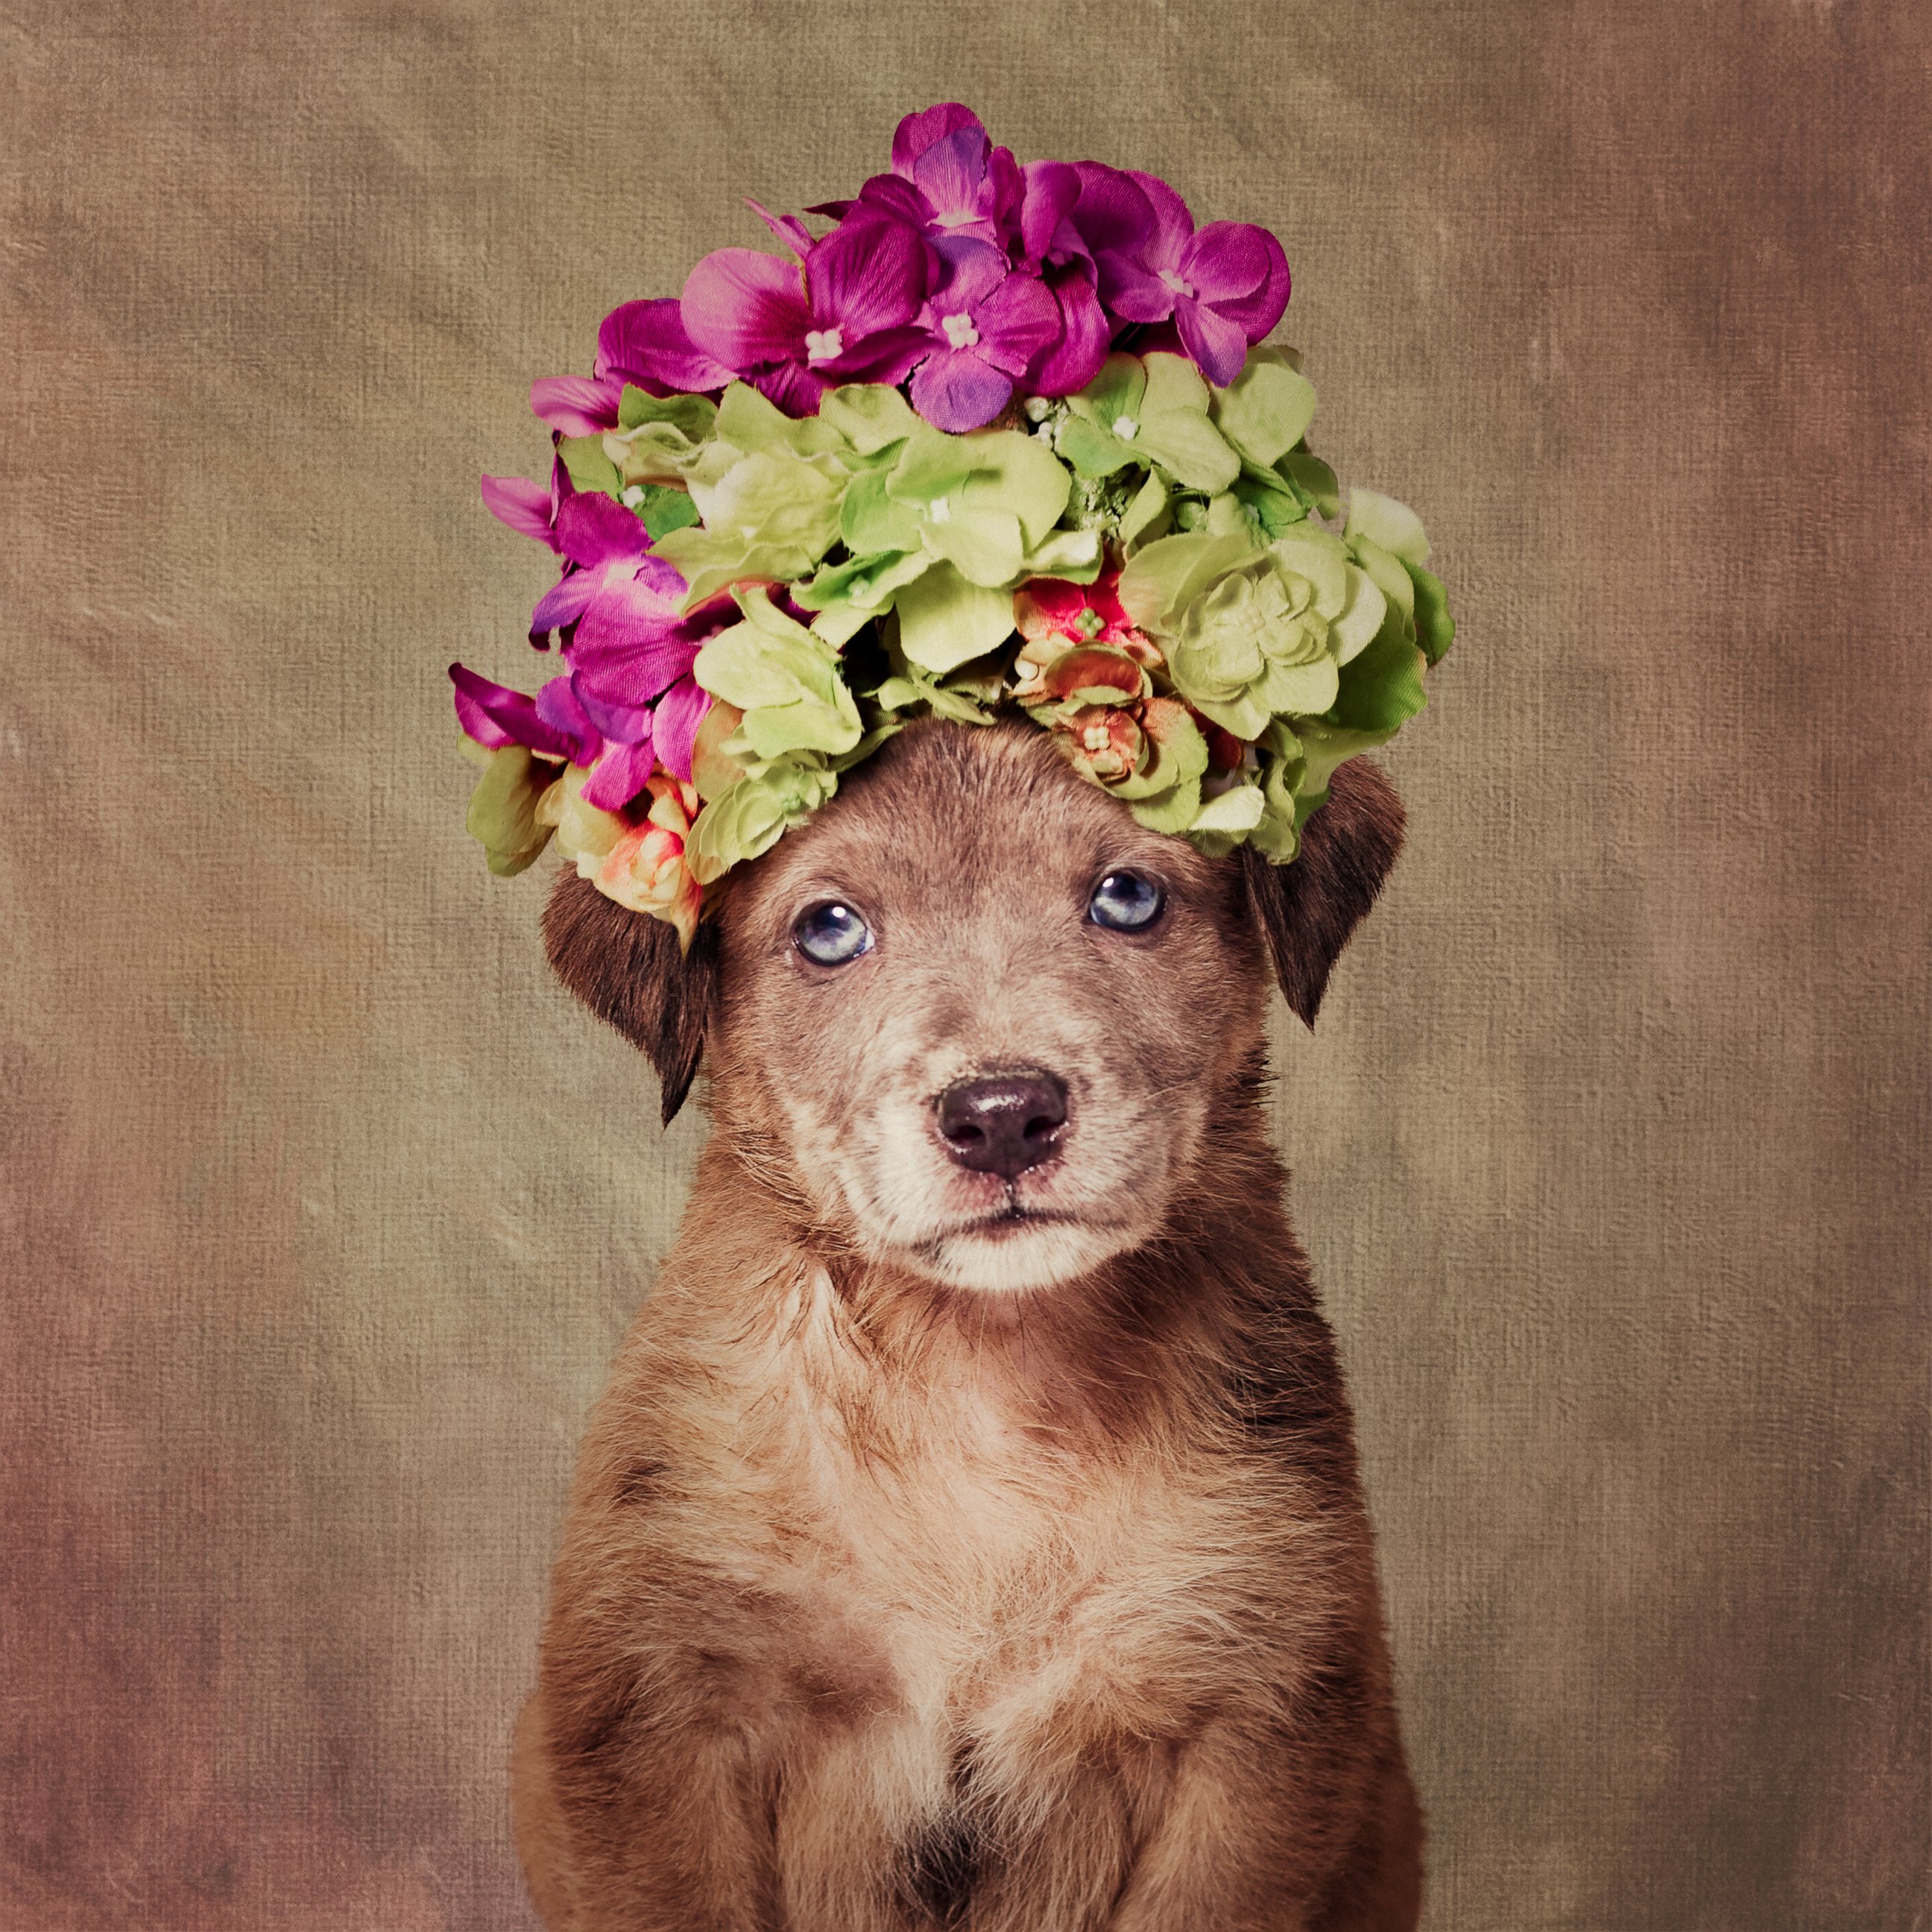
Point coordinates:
[(642, 343), (947, 178), (630, 647), (1223, 287), (987, 326), (847, 313)]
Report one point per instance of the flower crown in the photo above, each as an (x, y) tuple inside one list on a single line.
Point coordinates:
[(1000, 440)]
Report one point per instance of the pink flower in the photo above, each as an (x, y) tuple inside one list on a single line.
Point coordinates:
[(1082, 613)]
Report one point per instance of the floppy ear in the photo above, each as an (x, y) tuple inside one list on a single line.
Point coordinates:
[(627, 968), (1307, 909)]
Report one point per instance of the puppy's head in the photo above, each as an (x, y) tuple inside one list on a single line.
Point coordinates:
[(990, 1020)]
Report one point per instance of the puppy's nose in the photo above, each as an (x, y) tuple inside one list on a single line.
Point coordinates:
[(1002, 1122)]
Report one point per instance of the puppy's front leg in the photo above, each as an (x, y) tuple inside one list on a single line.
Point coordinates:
[(630, 1821), (1214, 1856), (1241, 1845)]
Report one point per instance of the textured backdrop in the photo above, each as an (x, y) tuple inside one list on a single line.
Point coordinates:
[(324, 1208)]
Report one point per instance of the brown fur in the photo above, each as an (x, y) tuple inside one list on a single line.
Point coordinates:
[(926, 1567)]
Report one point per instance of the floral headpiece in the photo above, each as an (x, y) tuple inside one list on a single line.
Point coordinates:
[(1000, 440)]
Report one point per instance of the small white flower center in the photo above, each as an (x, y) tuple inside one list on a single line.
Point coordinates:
[(1177, 282), (1096, 737), (959, 330), (942, 511), (821, 345), (1125, 428)]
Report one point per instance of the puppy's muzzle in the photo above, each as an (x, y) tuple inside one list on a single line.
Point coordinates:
[(1003, 1123)]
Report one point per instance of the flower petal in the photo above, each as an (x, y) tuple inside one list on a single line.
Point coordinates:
[(527, 507), (793, 388), (744, 309), (563, 603), (952, 176), (869, 273), (972, 270), (1049, 191), (594, 529), (614, 669), (620, 774), (646, 343), (1258, 312), (578, 405), (680, 711), (621, 724), (1113, 211), (886, 195), (1130, 289), (1075, 357), (557, 705), (955, 391), (917, 132), (888, 357), (1220, 346), (1019, 323), (1172, 223), (792, 231), (494, 715)]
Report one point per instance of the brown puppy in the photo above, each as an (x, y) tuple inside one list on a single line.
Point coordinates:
[(970, 1535)]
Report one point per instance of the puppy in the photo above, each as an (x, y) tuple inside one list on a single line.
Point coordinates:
[(970, 1535)]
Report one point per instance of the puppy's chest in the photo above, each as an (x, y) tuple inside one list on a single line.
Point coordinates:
[(991, 1573)]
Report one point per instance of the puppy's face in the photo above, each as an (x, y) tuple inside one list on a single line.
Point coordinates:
[(990, 1015), (986, 1020)]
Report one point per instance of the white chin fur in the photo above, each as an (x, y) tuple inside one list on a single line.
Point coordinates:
[(1011, 1257)]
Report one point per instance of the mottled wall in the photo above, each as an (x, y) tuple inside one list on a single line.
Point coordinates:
[(324, 1209)]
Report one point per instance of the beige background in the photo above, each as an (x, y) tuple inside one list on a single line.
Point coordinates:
[(324, 1209)]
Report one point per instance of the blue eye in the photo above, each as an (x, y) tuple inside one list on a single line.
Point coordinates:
[(1126, 902), (831, 934)]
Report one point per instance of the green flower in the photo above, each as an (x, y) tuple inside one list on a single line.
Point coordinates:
[(1251, 632), (1148, 410), (752, 815), (942, 536), (789, 684), (1265, 411), (503, 807)]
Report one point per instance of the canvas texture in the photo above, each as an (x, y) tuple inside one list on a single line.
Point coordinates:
[(324, 1208)]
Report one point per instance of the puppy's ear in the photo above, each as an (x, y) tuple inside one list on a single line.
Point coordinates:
[(1307, 909), (627, 968)]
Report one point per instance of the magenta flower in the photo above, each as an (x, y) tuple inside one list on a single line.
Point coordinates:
[(528, 507), (987, 326), (629, 702), (947, 178), (617, 590), (629, 646), (643, 343), (1070, 217), (1221, 287), (847, 313), (494, 715)]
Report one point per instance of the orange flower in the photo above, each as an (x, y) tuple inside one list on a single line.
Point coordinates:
[(646, 870)]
